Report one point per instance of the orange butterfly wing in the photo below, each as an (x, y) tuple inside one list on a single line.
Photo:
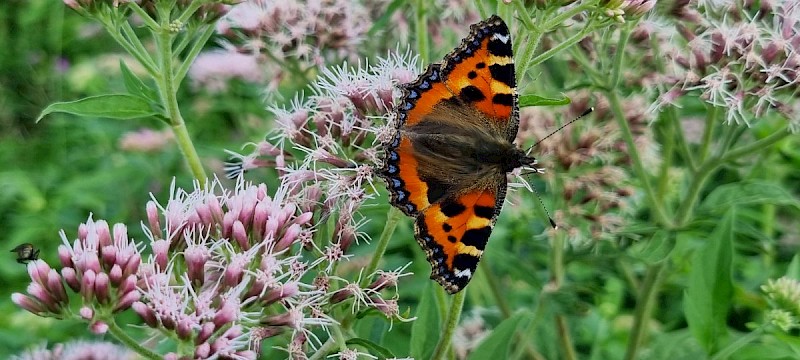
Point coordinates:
[(453, 226)]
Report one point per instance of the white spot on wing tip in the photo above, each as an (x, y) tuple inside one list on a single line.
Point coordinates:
[(503, 38), (463, 273)]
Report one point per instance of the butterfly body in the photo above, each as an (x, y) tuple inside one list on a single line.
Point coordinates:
[(447, 163)]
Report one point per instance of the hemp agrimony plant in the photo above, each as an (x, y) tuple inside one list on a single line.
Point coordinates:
[(663, 195)]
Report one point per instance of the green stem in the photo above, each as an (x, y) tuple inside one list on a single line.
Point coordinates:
[(672, 115), (132, 344), (339, 337), (711, 118), (168, 89), (144, 16), (733, 347), (560, 18), (572, 40), (622, 43), (666, 161), (558, 272), (499, 297), (197, 46), (392, 218), (323, 350), (756, 146), (450, 327), (564, 338), (619, 115), (644, 307), (421, 30)]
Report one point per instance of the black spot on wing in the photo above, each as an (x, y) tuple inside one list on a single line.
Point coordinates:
[(452, 239), (480, 65), (446, 227), (477, 237), (471, 93), (451, 208), (499, 48), (472, 74), (503, 73), (503, 99), (436, 189), (486, 212), (465, 261)]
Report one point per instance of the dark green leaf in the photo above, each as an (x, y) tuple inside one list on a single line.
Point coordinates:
[(708, 297), (114, 106), (536, 100), (427, 328), (495, 346), (655, 249), (374, 348), (136, 86), (749, 193)]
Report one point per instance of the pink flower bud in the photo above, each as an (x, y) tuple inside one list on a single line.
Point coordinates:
[(145, 313), (38, 271), (115, 275), (227, 224), (206, 330), (103, 233), (304, 218), (227, 313), (184, 328), (71, 278), (98, 327), (127, 285), (240, 235), (132, 265), (87, 285), (65, 256), (202, 351), (101, 291), (86, 312), (285, 291), (288, 238), (127, 301), (196, 258), (204, 213), (109, 255), (56, 287), (153, 220), (160, 253), (260, 215), (28, 303)]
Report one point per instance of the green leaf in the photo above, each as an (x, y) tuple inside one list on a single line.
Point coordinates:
[(495, 346), (114, 106), (708, 297), (654, 250), (136, 86), (536, 100), (749, 193), (427, 329), (793, 271), (375, 349)]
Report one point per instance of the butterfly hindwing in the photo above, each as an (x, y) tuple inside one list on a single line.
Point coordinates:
[(480, 73)]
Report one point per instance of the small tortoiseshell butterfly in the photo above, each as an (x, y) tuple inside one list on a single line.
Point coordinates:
[(446, 166)]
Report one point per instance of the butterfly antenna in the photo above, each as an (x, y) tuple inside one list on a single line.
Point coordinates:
[(587, 112), (549, 218)]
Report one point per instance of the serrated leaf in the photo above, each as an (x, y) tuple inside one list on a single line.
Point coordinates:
[(708, 297), (114, 106), (495, 346), (749, 193), (425, 332), (136, 86), (375, 349), (536, 100), (655, 249)]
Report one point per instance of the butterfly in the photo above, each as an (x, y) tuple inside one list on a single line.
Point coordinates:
[(446, 165)]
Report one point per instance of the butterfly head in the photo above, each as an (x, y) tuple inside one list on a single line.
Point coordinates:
[(518, 158)]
